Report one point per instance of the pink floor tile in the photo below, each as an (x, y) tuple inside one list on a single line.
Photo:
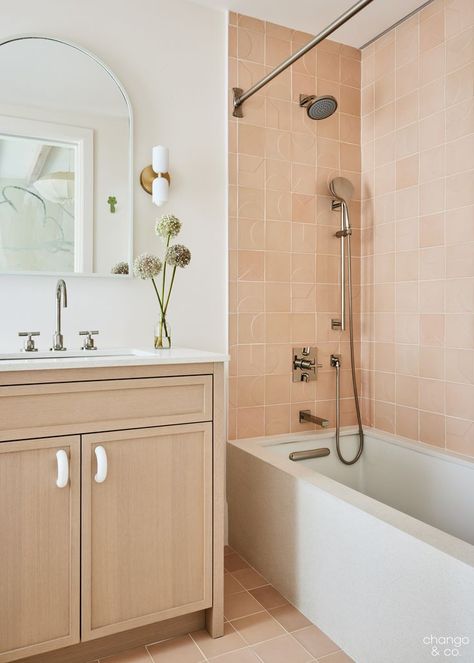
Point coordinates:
[(240, 605), (234, 562), (242, 656), (249, 578), (315, 641), (231, 585), (282, 650), (290, 618), (177, 650), (139, 655), (257, 628), (268, 597), (210, 647)]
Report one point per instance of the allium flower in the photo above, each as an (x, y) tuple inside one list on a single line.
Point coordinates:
[(178, 255), (120, 268), (168, 225), (147, 266)]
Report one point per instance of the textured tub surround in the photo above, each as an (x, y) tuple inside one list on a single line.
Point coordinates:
[(418, 227), (283, 253), (414, 294), (112, 487)]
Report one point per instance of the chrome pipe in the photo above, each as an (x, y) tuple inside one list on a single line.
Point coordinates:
[(240, 96)]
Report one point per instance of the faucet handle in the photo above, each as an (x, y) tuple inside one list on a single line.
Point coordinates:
[(29, 345), (89, 341)]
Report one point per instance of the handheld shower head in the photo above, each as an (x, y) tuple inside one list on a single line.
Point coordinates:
[(341, 188), (318, 108)]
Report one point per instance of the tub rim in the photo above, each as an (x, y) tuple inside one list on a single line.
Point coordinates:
[(448, 544)]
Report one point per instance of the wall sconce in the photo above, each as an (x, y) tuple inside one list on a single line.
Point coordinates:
[(155, 179)]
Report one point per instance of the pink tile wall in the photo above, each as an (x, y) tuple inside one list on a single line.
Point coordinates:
[(283, 253), (417, 108)]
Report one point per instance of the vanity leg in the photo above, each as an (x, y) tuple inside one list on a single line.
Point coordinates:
[(215, 615)]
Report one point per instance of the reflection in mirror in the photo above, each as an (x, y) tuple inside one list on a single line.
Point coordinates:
[(65, 161)]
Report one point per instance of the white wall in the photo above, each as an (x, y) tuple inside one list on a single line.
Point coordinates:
[(171, 57)]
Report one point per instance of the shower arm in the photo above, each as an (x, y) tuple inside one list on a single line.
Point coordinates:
[(240, 96)]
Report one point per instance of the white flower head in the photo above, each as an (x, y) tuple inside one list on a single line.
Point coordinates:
[(178, 255), (168, 225), (147, 266), (120, 268)]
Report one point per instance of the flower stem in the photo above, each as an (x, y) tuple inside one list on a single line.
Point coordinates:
[(169, 292), (163, 279), (158, 295)]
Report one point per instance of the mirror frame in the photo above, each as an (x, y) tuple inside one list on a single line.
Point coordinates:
[(110, 73)]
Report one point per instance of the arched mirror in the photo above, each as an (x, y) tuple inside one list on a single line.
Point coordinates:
[(65, 161)]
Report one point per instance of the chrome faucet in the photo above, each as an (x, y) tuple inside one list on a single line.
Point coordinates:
[(61, 302)]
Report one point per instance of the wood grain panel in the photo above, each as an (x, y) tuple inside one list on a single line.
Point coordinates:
[(92, 650), (147, 529), (215, 615), (81, 374), (102, 405), (39, 548)]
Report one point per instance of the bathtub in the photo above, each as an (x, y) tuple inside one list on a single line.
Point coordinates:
[(379, 555)]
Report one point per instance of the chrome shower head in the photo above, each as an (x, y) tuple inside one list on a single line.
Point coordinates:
[(341, 188), (318, 108)]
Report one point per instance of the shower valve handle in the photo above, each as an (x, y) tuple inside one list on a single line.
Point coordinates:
[(305, 364)]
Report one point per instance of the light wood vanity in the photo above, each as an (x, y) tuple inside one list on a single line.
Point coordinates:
[(111, 507)]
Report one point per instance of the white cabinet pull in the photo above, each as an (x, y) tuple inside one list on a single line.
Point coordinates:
[(101, 456), (63, 469)]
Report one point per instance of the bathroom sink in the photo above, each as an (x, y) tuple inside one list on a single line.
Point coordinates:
[(72, 354)]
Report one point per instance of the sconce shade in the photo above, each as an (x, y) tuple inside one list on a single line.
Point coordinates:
[(155, 179), (160, 159), (160, 190)]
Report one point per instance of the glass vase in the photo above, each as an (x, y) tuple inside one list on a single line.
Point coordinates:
[(162, 334)]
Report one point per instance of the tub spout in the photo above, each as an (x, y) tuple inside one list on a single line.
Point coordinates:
[(307, 417)]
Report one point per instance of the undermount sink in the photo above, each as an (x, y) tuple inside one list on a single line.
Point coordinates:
[(72, 354)]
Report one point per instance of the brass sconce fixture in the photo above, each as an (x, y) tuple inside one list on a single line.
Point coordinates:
[(155, 179)]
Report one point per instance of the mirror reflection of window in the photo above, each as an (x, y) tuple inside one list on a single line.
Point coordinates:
[(64, 153), (37, 191)]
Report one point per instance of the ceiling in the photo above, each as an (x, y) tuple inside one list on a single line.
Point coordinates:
[(314, 15)]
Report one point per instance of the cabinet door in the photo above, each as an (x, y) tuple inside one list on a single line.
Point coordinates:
[(39, 546), (147, 526)]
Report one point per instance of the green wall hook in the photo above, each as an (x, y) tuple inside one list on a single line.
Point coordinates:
[(112, 201)]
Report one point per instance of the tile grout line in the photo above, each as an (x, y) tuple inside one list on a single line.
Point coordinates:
[(287, 632), (202, 653)]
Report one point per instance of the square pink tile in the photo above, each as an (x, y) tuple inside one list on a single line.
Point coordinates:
[(249, 578), (177, 650), (290, 618), (211, 647), (315, 641), (257, 628), (268, 597), (240, 604), (284, 649)]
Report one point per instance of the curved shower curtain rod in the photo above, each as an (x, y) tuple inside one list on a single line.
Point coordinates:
[(240, 96)]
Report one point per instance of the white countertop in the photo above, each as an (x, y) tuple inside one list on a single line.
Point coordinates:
[(40, 361)]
